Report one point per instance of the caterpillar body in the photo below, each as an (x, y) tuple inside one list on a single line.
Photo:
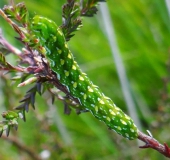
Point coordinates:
[(68, 72)]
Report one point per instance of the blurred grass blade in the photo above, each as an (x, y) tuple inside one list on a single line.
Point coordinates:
[(168, 6), (107, 24)]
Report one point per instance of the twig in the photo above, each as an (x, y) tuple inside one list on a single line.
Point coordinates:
[(150, 142), (8, 46), (22, 147)]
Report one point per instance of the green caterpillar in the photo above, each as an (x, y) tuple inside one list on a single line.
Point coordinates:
[(61, 61)]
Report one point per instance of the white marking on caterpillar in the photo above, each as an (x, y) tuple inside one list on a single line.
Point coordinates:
[(83, 73), (69, 56), (123, 122), (72, 82), (101, 108), (60, 32), (95, 86), (81, 93), (52, 63), (92, 105), (130, 122), (126, 134), (90, 89), (117, 108), (81, 78), (49, 20), (107, 98), (65, 45), (101, 102), (73, 67), (127, 117), (112, 112)]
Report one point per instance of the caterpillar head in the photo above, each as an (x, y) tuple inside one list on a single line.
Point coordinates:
[(44, 29)]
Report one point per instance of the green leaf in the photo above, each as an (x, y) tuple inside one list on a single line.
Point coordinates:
[(89, 7), (19, 13), (10, 115), (71, 19)]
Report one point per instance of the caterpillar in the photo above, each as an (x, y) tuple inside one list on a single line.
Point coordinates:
[(78, 84)]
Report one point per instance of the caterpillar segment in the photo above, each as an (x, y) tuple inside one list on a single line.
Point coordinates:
[(78, 84)]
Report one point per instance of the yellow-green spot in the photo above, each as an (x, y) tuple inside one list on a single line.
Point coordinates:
[(127, 117), (101, 102), (96, 109), (112, 112), (117, 108), (118, 112), (69, 56), (123, 122), (95, 86), (73, 67), (49, 20), (67, 73), (90, 89), (60, 32), (62, 61), (75, 84), (119, 128), (66, 45), (81, 78), (59, 51), (108, 119), (107, 98), (85, 96)]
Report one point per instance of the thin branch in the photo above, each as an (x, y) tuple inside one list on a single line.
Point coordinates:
[(150, 142), (22, 147), (8, 46)]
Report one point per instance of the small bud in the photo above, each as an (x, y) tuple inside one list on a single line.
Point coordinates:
[(21, 115), (27, 82)]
